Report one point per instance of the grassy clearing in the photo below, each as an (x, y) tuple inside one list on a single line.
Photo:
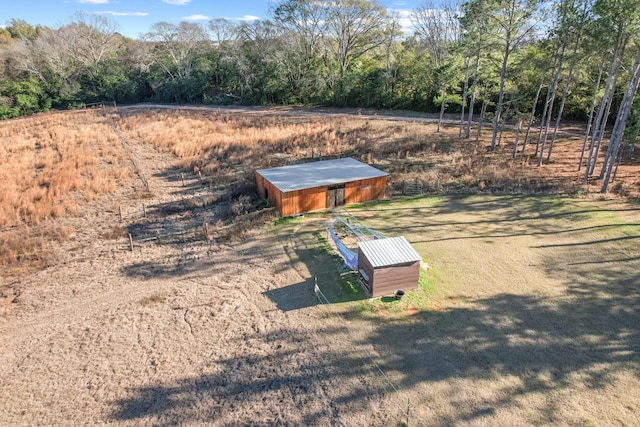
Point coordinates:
[(529, 314), (58, 163)]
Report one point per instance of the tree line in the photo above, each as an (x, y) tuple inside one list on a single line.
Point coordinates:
[(522, 63)]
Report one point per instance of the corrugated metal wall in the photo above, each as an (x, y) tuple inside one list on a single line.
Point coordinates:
[(384, 281)]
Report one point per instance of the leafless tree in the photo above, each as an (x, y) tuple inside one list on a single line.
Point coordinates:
[(174, 45)]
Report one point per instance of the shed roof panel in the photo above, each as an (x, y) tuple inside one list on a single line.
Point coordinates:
[(318, 174), (388, 252)]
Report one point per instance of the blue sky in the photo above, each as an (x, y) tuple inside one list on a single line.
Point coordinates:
[(136, 16)]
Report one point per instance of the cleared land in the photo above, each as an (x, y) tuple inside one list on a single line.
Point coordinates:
[(529, 315)]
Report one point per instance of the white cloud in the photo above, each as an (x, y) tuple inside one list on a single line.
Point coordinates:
[(403, 16), (249, 18), (112, 13), (177, 2), (196, 17), (93, 1)]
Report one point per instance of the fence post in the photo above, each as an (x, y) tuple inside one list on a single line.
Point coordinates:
[(144, 211), (131, 242), (206, 230), (182, 175), (120, 212), (408, 401), (158, 237)]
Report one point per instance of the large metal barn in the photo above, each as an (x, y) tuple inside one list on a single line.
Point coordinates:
[(326, 184)]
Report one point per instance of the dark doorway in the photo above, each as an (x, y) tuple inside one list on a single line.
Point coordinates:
[(335, 196)]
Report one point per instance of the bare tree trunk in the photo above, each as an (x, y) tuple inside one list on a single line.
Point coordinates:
[(482, 111), (556, 79), (473, 95), (464, 94), (542, 120), (603, 126), (533, 113), (444, 95), (506, 114), (621, 121), (515, 143), (591, 110), (598, 125), (503, 74), (565, 92)]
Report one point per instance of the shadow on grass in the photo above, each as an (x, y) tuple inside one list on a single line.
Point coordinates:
[(549, 345), (578, 341)]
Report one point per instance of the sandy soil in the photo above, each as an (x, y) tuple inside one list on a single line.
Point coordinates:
[(229, 333), (200, 332)]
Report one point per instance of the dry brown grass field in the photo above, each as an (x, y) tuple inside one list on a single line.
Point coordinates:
[(529, 314)]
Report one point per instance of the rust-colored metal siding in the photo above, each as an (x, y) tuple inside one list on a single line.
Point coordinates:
[(269, 192), (365, 190), (313, 199)]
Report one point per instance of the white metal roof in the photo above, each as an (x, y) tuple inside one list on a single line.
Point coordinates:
[(390, 251), (318, 174)]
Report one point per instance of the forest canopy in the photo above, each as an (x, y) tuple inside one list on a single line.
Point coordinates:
[(507, 61)]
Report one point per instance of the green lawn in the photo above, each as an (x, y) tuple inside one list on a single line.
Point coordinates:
[(529, 312)]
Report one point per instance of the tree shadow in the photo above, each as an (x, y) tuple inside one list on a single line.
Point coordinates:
[(580, 338), (293, 297), (548, 345)]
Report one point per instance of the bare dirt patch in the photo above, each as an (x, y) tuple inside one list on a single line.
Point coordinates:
[(222, 327)]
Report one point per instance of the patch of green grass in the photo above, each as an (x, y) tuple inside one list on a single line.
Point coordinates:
[(414, 300), (285, 221), (401, 202), (349, 287)]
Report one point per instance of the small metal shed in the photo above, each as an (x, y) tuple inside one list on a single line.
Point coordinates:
[(319, 185), (388, 265)]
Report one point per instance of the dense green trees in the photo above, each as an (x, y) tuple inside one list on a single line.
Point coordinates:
[(527, 62)]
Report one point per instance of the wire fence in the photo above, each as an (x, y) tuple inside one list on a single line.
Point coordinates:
[(194, 231)]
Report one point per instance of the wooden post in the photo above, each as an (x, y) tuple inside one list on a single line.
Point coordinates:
[(120, 212), (144, 210), (206, 230), (158, 237), (200, 176), (131, 242), (312, 153), (182, 175)]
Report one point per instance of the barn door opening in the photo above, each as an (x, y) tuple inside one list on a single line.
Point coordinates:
[(335, 196)]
